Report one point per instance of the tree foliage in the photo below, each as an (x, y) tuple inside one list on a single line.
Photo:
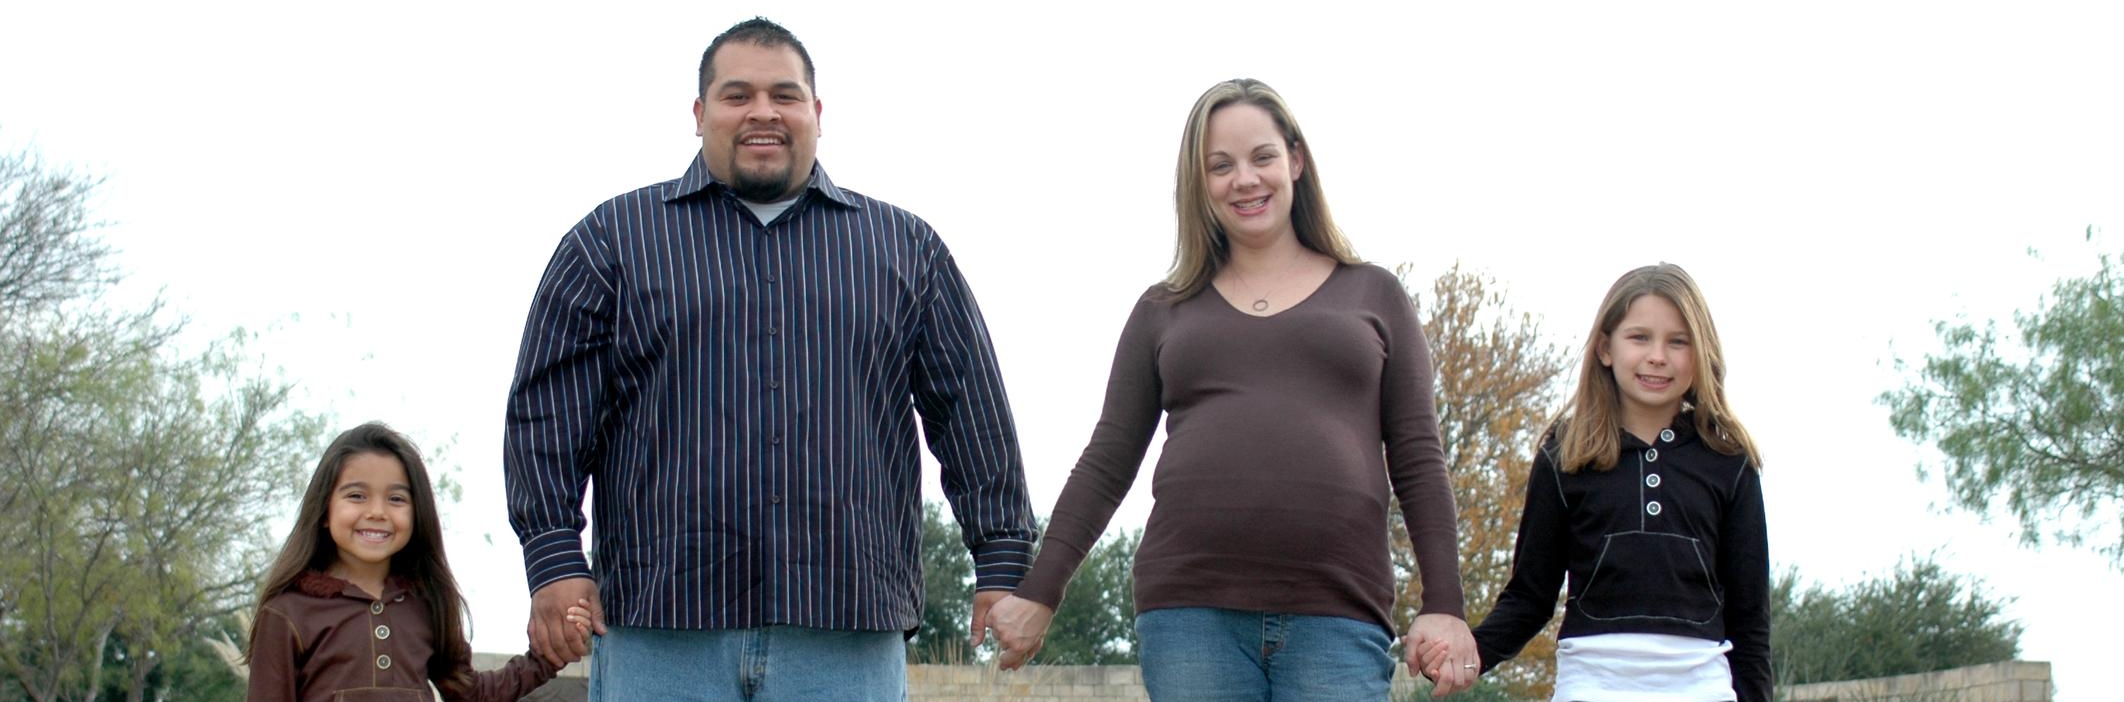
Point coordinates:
[(1095, 624), (1918, 619), (137, 478), (2032, 425), (1496, 384)]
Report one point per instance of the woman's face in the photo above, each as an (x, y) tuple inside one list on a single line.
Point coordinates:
[(1249, 170)]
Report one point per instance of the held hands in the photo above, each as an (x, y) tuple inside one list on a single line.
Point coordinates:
[(1021, 628), (560, 633), (1442, 649)]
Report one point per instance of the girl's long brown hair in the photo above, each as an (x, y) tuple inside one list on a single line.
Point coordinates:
[(1589, 430), (310, 547), (1201, 248)]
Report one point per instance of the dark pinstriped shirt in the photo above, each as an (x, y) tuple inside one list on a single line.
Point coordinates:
[(743, 396)]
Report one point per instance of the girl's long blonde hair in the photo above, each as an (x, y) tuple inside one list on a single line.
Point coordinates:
[(1588, 431), (1202, 248)]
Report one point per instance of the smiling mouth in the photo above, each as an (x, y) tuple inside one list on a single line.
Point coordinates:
[(1654, 383), (1249, 206), (764, 140), (373, 535)]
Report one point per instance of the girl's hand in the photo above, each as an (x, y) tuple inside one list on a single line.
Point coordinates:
[(1441, 648), (585, 623)]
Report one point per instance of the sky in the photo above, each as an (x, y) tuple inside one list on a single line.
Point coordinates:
[(374, 188)]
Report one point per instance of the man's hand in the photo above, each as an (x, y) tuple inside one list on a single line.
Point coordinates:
[(1441, 648), (1021, 629), (552, 635)]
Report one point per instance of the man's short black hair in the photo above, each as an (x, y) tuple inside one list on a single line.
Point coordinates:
[(763, 32)]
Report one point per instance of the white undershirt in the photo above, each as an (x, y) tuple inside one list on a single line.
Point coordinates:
[(1651, 667), (767, 211)]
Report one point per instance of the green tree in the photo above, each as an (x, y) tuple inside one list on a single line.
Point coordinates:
[(1096, 622), (2032, 425), (1918, 619), (1496, 389), (947, 591), (137, 478)]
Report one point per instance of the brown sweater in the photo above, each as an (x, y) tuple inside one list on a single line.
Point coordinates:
[(1272, 487), (325, 640)]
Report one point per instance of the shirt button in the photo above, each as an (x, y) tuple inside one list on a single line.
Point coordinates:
[(774, 385), (1666, 435), (777, 440), (376, 608), (1651, 455), (383, 632), (775, 498), (1652, 508), (771, 278), (383, 662), (771, 331), (1652, 480)]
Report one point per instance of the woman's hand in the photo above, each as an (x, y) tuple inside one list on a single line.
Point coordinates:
[(1020, 627), (1441, 648)]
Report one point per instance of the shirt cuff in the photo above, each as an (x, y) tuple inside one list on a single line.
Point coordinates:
[(1001, 564), (554, 556)]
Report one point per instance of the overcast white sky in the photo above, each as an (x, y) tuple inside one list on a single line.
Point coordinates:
[(377, 187)]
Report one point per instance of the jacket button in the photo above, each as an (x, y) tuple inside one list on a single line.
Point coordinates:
[(1652, 508), (383, 632), (1652, 480), (1666, 435), (1651, 455), (376, 608), (383, 662)]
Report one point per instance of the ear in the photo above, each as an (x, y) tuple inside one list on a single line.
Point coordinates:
[(818, 114), (1297, 163), (1606, 360), (700, 118)]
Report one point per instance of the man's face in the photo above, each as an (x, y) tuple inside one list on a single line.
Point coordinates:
[(758, 122)]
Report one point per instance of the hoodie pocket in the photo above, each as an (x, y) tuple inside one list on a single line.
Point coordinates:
[(1643, 574)]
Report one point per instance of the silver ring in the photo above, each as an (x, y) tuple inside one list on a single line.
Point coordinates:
[(1470, 666)]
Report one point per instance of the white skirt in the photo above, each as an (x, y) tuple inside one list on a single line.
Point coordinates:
[(1642, 667)]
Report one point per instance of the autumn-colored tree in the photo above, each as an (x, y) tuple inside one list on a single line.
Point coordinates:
[(1496, 388)]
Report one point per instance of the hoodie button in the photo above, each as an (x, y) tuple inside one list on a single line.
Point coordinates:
[(1666, 435), (383, 632), (1652, 480), (1652, 508), (376, 608), (383, 662), (1651, 455)]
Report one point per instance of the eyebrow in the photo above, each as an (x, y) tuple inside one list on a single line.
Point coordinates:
[(747, 85), (357, 484)]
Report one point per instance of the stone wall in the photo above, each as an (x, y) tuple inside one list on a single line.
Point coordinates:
[(2009, 681)]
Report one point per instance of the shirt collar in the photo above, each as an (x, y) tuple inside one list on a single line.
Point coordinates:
[(698, 179), (1683, 428)]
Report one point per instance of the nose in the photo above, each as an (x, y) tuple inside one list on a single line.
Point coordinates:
[(763, 111), (1246, 178)]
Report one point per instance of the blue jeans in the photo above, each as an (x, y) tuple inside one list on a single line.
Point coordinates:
[(1198, 654), (774, 664)]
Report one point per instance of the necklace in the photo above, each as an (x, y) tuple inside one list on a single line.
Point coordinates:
[(1261, 303)]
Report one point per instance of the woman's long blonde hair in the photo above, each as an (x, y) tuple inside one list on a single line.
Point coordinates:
[(1202, 248), (1589, 430)]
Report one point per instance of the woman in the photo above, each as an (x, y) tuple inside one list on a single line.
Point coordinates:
[(1296, 387)]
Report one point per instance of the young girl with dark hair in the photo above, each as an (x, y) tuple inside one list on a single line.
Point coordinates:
[(361, 604)]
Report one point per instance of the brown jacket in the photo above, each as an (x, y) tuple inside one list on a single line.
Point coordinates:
[(325, 640)]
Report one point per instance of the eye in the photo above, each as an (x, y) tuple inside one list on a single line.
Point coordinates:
[(354, 496), (788, 97), (400, 499), (1264, 159), (1220, 167)]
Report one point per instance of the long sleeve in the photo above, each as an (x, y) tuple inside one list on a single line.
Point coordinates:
[(555, 405), (1408, 419), (274, 646), (1108, 466), (515, 679), (1744, 570), (958, 390), (1539, 561)]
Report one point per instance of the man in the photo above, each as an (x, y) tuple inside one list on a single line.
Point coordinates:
[(732, 357)]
